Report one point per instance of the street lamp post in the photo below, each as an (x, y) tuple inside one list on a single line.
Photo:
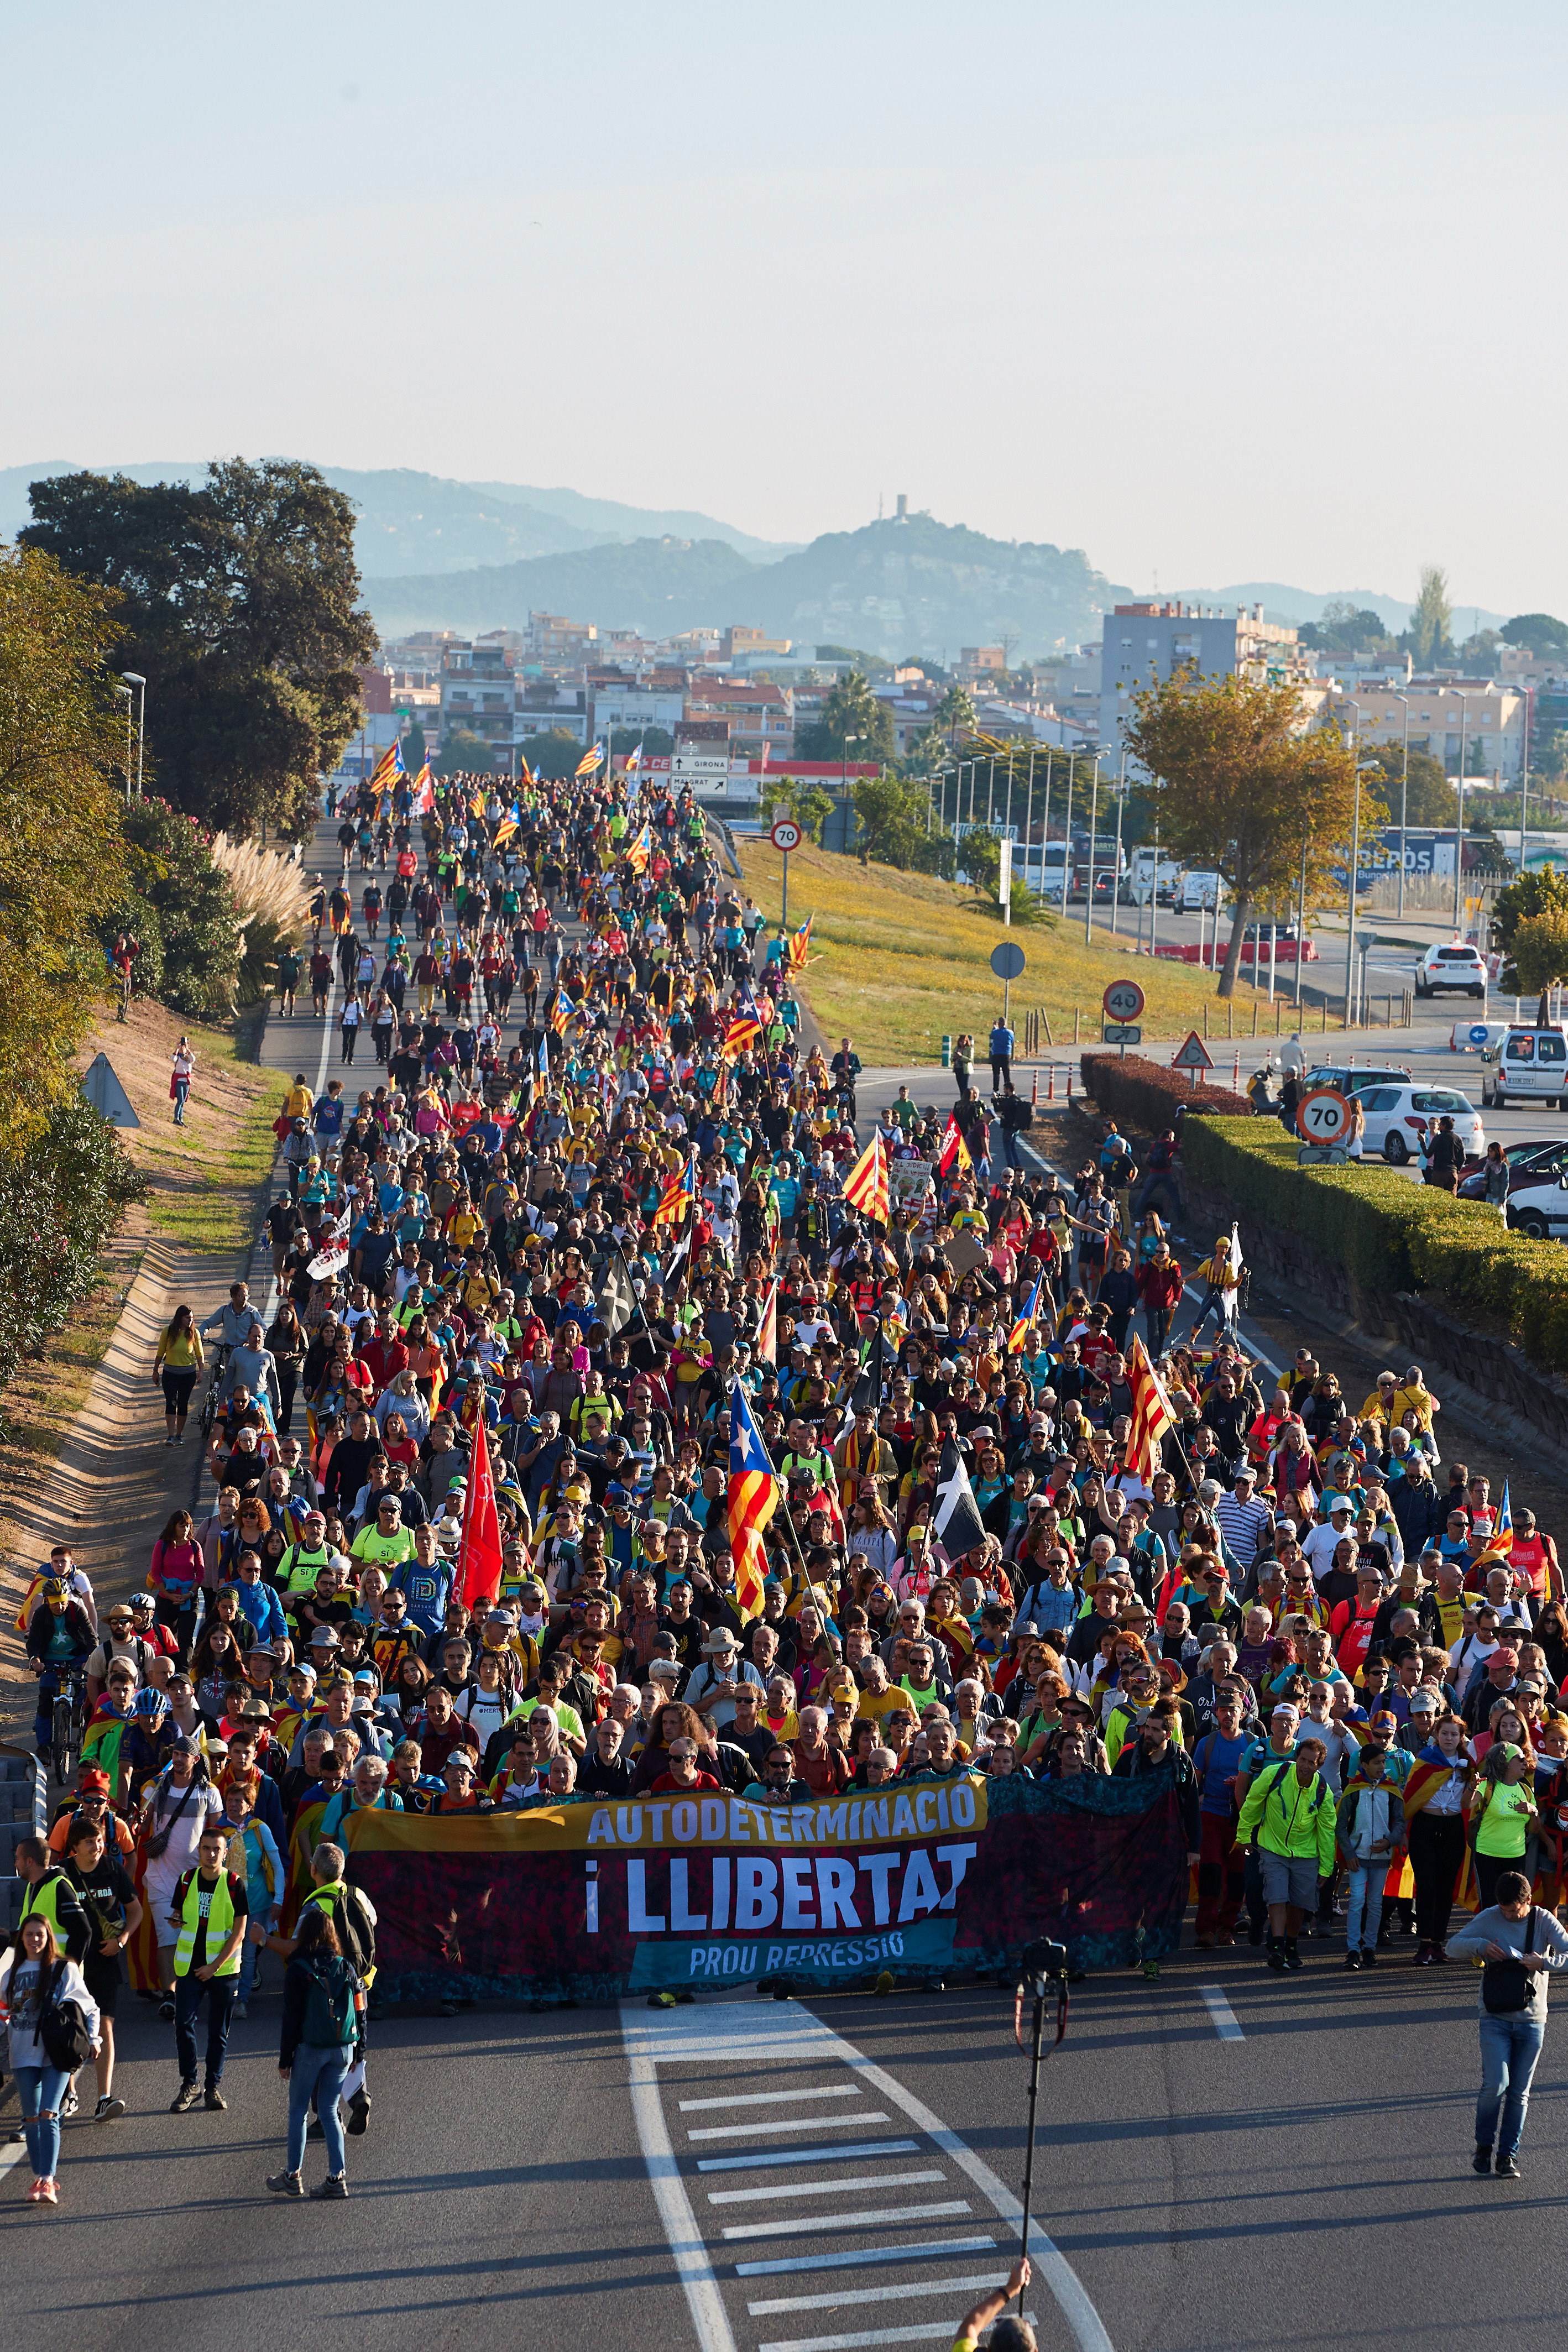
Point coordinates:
[(125, 690), (1460, 835), (1088, 885), (1403, 799), (133, 677), (1352, 744), (1116, 862)]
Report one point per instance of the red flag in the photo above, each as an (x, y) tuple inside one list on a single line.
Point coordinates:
[(479, 1555), (1151, 1416)]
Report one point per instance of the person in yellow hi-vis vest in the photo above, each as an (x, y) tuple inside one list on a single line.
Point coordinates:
[(210, 1912)]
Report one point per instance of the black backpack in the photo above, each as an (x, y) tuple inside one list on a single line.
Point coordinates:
[(1505, 1984), (63, 2027)]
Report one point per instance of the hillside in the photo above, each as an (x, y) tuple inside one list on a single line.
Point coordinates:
[(656, 584), (895, 587)]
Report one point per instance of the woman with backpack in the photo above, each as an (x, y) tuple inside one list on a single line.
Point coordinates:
[(36, 1983), (321, 1996)]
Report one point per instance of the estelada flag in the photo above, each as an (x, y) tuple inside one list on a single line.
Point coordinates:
[(741, 1033), (954, 1151), (866, 1186), (389, 765), (1151, 1416), (478, 1555), (799, 944), (754, 1497), (768, 1329), (1018, 1338), (590, 760), (678, 1196)]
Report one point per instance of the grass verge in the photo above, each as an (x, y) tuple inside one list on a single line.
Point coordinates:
[(904, 961)]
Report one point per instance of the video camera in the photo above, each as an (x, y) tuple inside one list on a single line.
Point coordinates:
[(1042, 1959)]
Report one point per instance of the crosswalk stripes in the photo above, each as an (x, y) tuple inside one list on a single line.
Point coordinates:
[(729, 2288)]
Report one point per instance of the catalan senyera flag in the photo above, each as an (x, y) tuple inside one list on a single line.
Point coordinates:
[(423, 791), (591, 761), (1018, 1336), (678, 1195), (954, 1152), (754, 1497), (866, 1186), (742, 1032), (1151, 1416), (800, 945), (386, 768), (768, 1329)]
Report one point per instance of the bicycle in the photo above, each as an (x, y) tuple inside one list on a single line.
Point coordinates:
[(208, 1414), (69, 1723)]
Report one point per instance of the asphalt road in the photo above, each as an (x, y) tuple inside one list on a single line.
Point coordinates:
[(847, 2176)]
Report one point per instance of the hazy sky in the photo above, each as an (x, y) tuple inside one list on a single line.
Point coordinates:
[(1221, 292)]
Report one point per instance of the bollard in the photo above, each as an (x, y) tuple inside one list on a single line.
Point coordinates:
[(1075, 1015), (947, 1053), (1070, 1086), (1034, 1091), (1235, 1074), (1051, 1082)]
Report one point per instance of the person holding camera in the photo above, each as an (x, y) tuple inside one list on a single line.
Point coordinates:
[(1519, 1943)]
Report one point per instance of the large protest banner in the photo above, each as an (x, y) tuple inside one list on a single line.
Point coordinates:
[(590, 1899)]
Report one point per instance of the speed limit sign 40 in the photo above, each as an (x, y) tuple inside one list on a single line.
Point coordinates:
[(784, 834), (1123, 1001), (1323, 1116)]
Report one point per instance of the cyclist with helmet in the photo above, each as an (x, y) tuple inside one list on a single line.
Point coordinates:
[(59, 1639)]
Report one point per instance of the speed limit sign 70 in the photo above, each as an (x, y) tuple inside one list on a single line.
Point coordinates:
[(1323, 1116), (1123, 1001), (784, 834)]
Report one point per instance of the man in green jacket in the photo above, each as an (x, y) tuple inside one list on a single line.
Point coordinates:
[(1288, 1820)]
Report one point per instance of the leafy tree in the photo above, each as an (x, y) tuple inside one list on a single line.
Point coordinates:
[(180, 904), (236, 603), (464, 754), (851, 710), (1345, 628), (1428, 634), (808, 805), (553, 754), (61, 1199), (1479, 653), (1245, 790), (657, 741), (1430, 798), (1543, 633), (1541, 891), (62, 732), (894, 815), (1540, 956)]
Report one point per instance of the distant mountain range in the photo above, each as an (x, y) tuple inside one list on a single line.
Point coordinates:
[(440, 554), (425, 524), (906, 586)]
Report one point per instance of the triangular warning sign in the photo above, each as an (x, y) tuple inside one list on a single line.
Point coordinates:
[(1194, 1056), (105, 1093)]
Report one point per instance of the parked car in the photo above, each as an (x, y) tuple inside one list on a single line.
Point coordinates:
[(1352, 1079), (1459, 966), (1528, 1163), (1540, 1210), (1530, 1066), (1398, 1120)]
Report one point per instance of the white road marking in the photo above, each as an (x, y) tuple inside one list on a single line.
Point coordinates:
[(926, 2254), (12, 2155), (921, 2334), (797, 2123), (771, 2098), (695, 2270), (1225, 2018), (824, 2188), (804, 2155), (849, 2292), (794, 2228)]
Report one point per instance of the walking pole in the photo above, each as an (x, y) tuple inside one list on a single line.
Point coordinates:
[(1042, 1960)]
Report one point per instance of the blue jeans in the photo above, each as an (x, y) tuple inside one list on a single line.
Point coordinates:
[(325, 2073), (1511, 2046), (1363, 1903), (219, 1993), (40, 2090)]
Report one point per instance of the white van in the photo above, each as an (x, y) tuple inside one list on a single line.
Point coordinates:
[(1200, 890), (1528, 1065)]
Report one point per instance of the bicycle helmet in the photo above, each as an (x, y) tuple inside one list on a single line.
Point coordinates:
[(149, 1704), (53, 1588), (142, 1600)]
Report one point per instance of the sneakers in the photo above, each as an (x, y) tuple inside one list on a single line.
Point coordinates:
[(70, 2104), (1292, 1957), (166, 2010), (107, 2109), (1507, 2169), (242, 2009), (1369, 1956), (285, 2184), (36, 2194), (214, 2097), (359, 2113), (1439, 1953), (661, 2001), (49, 2190), (1151, 1972), (1424, 1956), (884, 1983), (186, 2097), (1482, 2160), (334, 2185), (1277, 1955), (1353, 1959)]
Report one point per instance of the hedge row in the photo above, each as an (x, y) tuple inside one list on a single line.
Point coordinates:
[(1147, 1096), (1389, 1234)]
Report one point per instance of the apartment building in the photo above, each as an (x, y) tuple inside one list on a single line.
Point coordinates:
[(1144, 644), (1485, 716), (758, 711)]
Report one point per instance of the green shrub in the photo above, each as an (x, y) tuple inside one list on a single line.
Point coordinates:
[(1388, 1234), (60, 1199), (1148, 1096)]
